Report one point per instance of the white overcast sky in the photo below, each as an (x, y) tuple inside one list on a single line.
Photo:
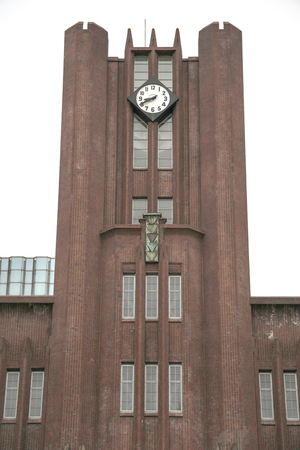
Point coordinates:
[(32, 39)]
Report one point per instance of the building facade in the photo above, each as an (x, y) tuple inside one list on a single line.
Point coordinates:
[(151, 340)]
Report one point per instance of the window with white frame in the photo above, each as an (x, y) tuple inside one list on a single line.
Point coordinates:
[(128, 300), (165, 70), (140, 144), (151, 388), (175, 388), (165, 139), (36, 395), (139, 207), (140, 70), (11, 395), (174, 296), (266, 396), (151, 297), (165, 206), (291, 396), (127, 387), (165, 144)]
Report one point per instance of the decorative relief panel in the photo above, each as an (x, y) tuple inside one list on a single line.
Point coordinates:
[(152, 237)]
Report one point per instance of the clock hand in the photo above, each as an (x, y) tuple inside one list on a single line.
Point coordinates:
[(148, 100)]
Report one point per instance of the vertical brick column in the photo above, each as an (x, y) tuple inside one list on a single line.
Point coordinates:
[(3, 362), (163, 350), (279, 401), (180, 184), (23, 400), (126, 167), (230, 393), (73, 374), (153, 183), (139, 367)]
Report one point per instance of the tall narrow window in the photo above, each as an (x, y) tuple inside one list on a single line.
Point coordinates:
[(165, 70), (29, 284), (266, 396), (11, 395), (127, 387), (41, 276), (174, 296), (4, 266), (140, 144), (165, 206), (291, 396), (151, 388), (36, 395), (151, 297), (175, 388), (139, 206), (165, 144), (16, 276), (140, 70), (128, 303), (165, 140)]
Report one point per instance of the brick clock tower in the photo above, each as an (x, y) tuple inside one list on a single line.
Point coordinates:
[(151, 340)]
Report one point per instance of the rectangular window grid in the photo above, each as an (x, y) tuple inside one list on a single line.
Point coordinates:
[(165, 144), (27, 276), (291, 396), (165, 70), (127, 387), (11, 395), (175, 388), (36, 395), (266, 396), (139, 207), (174, 296), (128, 303), (151, 388), (140, 70), (140, 144), (151, 297), (165, 206)]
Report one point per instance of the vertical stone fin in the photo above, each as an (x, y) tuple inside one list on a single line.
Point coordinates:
[(129, 41), (177, 40), (153, 42)]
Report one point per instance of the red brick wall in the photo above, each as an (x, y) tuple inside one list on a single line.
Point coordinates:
[(276, 330), (25, 329), (120, 340)]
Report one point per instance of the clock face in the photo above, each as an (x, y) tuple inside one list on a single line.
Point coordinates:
[(153, 98), (152, 101)]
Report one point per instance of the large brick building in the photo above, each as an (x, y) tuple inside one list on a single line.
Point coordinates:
[(151, 340)]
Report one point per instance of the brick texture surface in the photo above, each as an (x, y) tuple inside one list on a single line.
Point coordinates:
[(81, 339)]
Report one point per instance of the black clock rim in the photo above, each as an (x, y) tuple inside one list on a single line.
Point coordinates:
[(153, 117)]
